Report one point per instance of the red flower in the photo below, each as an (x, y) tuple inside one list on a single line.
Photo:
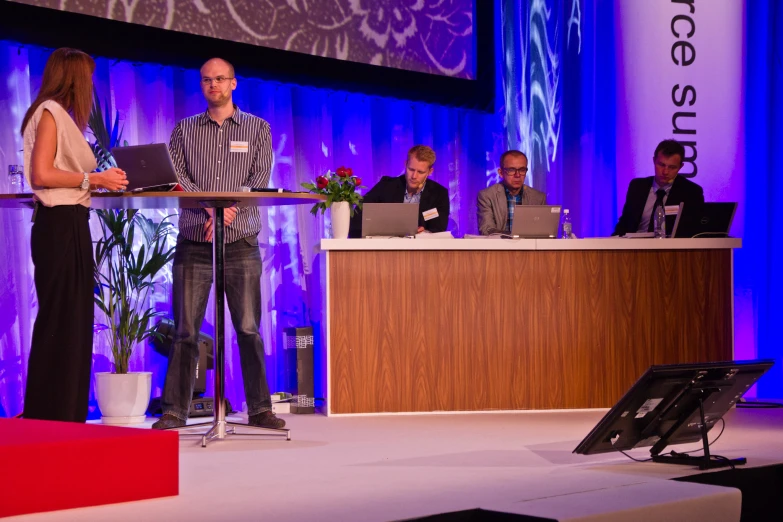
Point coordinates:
[(342, 172), (357, 182), (349, 172), (321, 182)]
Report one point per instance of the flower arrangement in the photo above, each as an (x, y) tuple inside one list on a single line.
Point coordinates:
[(338, 186)]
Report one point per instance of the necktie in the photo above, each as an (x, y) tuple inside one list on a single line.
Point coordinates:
[(659, 195)]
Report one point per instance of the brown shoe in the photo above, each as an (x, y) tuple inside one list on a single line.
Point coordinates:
[(168, 421), (266, 419)]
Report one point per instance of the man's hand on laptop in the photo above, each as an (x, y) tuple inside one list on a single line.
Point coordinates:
[(420, 230), (113, 179), (229, 214)]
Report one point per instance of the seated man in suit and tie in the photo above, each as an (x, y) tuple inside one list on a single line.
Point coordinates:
[(496, 203), (665, 188), (412, 187)]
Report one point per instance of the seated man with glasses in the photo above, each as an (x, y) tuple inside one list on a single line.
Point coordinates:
[(496, 203), (664, 188)]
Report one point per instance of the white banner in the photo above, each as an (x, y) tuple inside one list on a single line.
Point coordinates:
[(680, 75)]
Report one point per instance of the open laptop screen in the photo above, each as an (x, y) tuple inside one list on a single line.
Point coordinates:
[(390, 219), (536, 221), (708, 220), (147, 166)]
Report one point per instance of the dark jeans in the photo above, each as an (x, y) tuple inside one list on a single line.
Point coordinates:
[(191, 287)]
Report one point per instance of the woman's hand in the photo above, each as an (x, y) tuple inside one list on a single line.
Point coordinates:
[(113, 179)]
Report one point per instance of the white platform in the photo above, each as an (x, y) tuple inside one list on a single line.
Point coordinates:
[(400, 467), (603, 243)]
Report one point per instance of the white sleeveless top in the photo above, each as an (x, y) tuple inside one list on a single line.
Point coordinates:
[(73, 155)]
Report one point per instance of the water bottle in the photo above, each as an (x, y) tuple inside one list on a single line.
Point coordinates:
[(567, 226), (659, 225), (15, 179)]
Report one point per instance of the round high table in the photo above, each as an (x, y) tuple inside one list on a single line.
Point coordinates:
[(220, 428)]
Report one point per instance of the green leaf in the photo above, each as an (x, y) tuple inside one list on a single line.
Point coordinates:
[(125, 276)]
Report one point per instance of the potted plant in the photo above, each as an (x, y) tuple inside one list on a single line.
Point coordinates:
[(341, 197), (124, 279), (126, 266)]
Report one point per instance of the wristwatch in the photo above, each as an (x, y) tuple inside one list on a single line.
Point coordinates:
[(86, 182)]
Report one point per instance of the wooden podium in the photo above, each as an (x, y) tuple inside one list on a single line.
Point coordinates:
[(220, 428), (456, 325)]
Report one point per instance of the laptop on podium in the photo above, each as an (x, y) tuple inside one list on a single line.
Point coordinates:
[(390, 219), (536, 221), (709, 220), (149, 167)]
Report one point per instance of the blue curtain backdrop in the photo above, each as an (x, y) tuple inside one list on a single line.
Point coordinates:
[(555, 101), (757, 275)]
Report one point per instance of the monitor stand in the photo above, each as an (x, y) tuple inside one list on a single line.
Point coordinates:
[(703, 462)]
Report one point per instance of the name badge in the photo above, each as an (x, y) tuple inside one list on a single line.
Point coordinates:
[(430, 214), (671, 210), (239, 146)]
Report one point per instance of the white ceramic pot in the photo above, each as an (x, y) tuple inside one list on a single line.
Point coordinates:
[(123, 398), (341, 219)]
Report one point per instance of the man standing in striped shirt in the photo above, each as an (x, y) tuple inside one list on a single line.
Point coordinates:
[(219, 150)]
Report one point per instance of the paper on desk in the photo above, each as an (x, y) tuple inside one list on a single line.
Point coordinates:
[(636, 235), (434, 235)]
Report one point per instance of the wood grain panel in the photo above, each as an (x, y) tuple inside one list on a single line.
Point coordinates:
[(488, 330)]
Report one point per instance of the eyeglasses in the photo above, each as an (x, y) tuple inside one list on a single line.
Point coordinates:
[(220, 79), (521, 171)]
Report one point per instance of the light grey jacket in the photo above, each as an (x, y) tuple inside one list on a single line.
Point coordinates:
[(493, 207)]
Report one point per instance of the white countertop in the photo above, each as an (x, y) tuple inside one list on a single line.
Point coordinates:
[(602, 243)]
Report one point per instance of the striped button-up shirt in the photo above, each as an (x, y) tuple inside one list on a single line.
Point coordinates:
[(221, 158)]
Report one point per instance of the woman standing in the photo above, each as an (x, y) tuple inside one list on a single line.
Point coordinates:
[(59, 165)]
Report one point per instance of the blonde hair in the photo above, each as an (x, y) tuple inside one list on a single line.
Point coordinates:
[(423, 153)]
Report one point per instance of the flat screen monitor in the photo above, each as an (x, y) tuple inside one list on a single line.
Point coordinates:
[(438, 51), (429, 37), (664, 406)]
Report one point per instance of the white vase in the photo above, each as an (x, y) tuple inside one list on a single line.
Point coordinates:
[(341, 219), (123, 397)]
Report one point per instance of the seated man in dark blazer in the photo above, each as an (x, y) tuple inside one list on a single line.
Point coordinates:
[(412, 187), (495, 204), (665, 188)]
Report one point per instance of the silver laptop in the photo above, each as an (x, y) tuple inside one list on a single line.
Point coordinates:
[(672, 219), (149, 167), (536, 221), (390, 219)]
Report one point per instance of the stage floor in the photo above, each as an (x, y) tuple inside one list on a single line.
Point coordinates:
[(406, 466)]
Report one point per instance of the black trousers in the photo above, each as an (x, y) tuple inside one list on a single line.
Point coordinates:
[(58, 372)]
